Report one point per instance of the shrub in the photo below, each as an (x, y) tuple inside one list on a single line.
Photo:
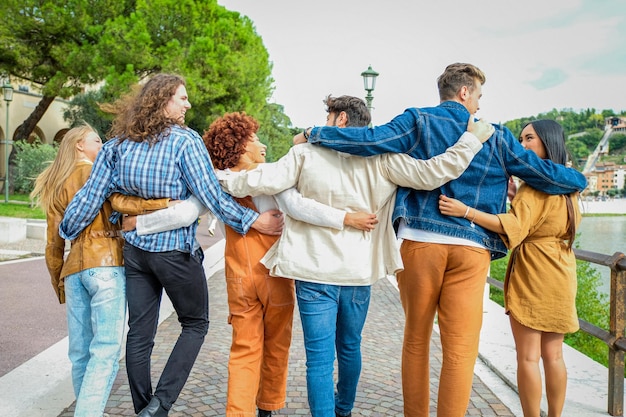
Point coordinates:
[(498, 271), (30, 160), (592, 307)]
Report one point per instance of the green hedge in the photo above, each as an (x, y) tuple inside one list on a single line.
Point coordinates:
[(30, 160)]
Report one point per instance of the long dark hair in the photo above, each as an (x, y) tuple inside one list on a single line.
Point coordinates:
[(552, 136)]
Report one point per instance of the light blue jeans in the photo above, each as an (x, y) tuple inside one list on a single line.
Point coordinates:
[(332, 317), (96, 312)]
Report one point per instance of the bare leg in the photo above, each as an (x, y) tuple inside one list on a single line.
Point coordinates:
[(556, 373), (528, 347)]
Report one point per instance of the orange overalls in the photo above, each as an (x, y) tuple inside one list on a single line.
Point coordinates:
[(261, 314)]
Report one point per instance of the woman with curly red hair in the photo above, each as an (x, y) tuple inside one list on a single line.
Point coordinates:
[(260, 306)]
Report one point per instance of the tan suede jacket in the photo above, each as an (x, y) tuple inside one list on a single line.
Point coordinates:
[(100, 244)]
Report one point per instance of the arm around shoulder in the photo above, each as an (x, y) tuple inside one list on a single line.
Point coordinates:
[(429, 174), (265, 179), (541, 174)]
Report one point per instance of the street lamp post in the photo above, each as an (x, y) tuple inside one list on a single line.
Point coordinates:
[(7, 91), (369, 82)]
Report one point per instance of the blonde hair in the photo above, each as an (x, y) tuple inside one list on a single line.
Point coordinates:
[(49, 184)]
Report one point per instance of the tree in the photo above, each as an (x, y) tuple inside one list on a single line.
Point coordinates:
[(591, 138), (222, 58), (51, 44), (275, 132), (85, 108), (65, 47), (612, 192), (617, 143), (577, 150), (597, 120), (228, 69)]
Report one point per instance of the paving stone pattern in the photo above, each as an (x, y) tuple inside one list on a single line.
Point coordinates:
[(379, 392)]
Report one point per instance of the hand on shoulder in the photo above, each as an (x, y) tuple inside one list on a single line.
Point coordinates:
[(481, 128)]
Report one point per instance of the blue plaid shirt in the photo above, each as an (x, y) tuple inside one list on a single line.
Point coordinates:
[(176, 166)]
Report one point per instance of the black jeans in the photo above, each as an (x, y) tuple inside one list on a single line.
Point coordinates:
[(182, 276)]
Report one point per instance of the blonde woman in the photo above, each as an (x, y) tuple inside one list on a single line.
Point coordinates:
[(91, 279)]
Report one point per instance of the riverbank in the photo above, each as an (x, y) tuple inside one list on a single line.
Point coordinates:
[(612, 207)]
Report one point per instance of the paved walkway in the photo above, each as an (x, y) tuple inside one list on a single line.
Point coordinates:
[(379, 392)]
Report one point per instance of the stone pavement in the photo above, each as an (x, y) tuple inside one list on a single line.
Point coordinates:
[(379, 392)]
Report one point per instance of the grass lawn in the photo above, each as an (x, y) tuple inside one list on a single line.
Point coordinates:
[(19, 206)]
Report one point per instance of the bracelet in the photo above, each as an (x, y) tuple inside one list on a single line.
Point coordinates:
[(473, 218), (305, 133), (466, 212)]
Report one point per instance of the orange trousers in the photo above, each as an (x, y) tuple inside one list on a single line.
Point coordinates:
[(261, 314), (448, 280)]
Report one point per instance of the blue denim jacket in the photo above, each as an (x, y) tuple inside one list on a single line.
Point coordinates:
[(426, 132)]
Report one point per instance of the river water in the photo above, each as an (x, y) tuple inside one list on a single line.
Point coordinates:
[(603, 235)]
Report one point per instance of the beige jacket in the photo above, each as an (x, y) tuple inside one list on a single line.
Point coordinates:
[(352, 183)]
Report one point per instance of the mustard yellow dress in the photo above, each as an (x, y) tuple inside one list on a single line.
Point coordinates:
[(540, 284)]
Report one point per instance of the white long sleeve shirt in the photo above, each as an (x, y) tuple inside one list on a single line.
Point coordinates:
[(290, 201)]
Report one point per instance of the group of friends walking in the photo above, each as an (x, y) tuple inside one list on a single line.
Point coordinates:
[(317, 227)]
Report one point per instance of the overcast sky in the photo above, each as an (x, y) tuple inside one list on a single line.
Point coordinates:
[(537, 54)]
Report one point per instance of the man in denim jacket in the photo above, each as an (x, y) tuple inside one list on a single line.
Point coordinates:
[(446, 259)]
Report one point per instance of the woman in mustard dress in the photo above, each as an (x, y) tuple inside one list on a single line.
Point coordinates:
[(540, 283)]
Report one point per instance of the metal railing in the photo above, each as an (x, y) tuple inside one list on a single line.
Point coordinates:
[(614, 338)]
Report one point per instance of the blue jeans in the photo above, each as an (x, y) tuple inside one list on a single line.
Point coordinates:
[(332, 317), (181, 275), (96, 309)]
